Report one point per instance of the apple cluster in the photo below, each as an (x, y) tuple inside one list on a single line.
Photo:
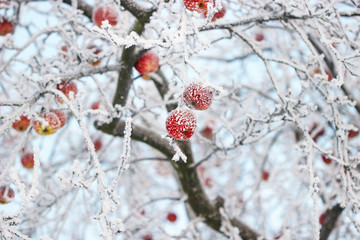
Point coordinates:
[(181, 123), (201, 6)]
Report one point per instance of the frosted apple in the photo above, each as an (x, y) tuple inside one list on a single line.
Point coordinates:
[(199, 6), (7, 194), (50, 125), (197, 96), (147, 63), (67, 87), (103, 13), (22, 124), (95, 51), (181, 124)]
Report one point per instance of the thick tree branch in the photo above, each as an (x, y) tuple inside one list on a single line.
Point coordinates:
[(187, 175), (331, 217)]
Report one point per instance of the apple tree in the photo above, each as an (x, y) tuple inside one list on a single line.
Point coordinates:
[(179, 119)]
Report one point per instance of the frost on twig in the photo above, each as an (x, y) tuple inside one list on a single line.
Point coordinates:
[(178, 153)]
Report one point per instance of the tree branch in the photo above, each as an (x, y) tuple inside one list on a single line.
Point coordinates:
[(331, 217)]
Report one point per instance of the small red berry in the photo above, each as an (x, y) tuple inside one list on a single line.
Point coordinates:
[(103, 13), (259, 37), (198, 97), (148, 237), (181, 124), (6, 194), (95, 105), (207, 132), (322, 218), (171, 217), (353, 133), (147, 63), (265, 175), (27, 160), (22, 124), (6, 27), (199, 6), (97, 144), (219, 14), (67, 87), (326, 159)]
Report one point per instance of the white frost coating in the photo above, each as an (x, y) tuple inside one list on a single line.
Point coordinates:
[(178, 153), (227, 228), (125, 153)]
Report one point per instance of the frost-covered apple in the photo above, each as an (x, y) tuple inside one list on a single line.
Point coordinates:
[(67, 87), (95, 51), (199, 6), (353, 133), (51, 124), (7, 194), (103, 13), (197, 96), (219, 14), (147, 63), (27, 160), (22, 124), (181, 124), (61, 115)]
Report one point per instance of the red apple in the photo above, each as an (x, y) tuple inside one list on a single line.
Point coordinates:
[(95, 51), (6, 27), (52, 124), (207, 132), (181, 124), (259, 37), (322, 218), (7, 194), (95, 105), (326, 159), (218, 14), (27, 160), (197, 96), (61, 115), (199, 6), (103, 13), (171, 217), (148, 237), (353, 133), (22, 124), (147, 63), (98, 144), (67, 87), (265, 175)]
